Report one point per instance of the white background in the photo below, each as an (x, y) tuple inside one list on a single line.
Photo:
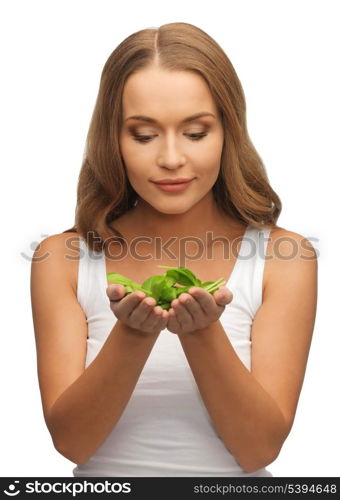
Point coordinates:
[(287, 58)]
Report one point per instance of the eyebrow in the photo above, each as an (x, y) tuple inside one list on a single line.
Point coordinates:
[(152, 120)]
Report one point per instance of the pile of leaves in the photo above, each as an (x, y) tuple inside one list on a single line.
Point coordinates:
[(164, 288)]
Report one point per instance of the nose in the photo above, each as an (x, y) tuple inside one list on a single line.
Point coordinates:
[(169, 155)]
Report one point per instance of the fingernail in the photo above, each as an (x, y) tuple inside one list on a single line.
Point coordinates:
[(114, 290)]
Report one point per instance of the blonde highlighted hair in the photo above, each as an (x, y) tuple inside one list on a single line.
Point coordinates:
[(242, 189)]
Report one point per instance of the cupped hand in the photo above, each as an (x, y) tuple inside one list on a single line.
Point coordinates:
[(197, 309), (137, 310)]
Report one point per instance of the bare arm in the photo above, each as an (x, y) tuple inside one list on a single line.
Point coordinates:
[(247, 418), (253, 411), (87, 411), (81, 406)]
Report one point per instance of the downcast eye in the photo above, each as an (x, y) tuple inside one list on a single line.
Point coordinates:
[(197, 136), (142, 138), (148, 138)]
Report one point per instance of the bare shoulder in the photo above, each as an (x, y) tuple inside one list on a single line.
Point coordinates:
[(64, 249), (286, 250), (283, 242)]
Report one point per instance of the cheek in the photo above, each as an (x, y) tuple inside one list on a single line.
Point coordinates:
[(211, 149), (134, 174), (136, 171), (136, 157), (210, 160), (127, 151), (133, 159)]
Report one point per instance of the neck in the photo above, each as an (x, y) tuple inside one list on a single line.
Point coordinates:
[(182, 235), (205, 216)]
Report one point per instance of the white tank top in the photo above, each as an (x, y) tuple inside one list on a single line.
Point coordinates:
[(165, 429)]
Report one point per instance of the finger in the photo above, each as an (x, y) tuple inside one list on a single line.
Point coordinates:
[(204, 298), (147, 315), (165, 314), (193, 307), (154, 321), (183, 316), (125, 306), (223, 296), (141, 313), (164, 320), (173, 325), (115, 292)]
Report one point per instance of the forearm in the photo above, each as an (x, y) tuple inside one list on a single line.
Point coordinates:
[(245, 416), (88, 410)]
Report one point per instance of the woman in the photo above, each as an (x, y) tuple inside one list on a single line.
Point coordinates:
[(209, 387)]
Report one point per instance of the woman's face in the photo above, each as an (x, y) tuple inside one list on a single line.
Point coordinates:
[(163, 143)]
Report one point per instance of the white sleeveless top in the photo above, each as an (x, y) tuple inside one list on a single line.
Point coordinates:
[(165, 429)]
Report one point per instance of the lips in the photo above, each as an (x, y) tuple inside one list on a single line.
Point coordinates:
[(174, 187), (179, 180)]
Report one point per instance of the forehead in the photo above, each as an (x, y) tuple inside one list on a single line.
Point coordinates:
[(163, 93)]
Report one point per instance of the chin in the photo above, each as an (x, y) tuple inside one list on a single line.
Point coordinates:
[(172, 210), (170, 207)]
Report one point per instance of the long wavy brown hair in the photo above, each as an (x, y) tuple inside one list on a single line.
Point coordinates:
[(242, 189)]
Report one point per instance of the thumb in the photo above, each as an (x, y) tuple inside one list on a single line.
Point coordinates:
[(223, 296), (115, 292)]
